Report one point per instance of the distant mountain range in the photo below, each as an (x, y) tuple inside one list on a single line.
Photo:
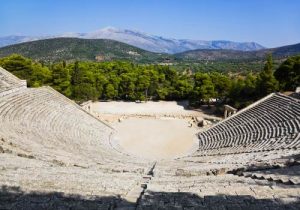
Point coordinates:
[(71, 49), (142, 40), (277, 53)]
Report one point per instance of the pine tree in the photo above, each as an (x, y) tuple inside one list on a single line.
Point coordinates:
[(267, 83), (75, 74), (288, 73)]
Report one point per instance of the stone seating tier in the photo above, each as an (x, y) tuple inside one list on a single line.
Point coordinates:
[(273, 123), (55, 128), (10, 83), (55, 155)]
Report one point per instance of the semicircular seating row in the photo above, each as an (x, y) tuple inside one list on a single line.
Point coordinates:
[(50, 126), (272, 123), (48, 143), (9, 83)]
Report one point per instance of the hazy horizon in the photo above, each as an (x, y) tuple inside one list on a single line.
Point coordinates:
[(269, 23)]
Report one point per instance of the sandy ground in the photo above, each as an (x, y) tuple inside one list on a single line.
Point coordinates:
[(152, 130), (156, 138), (148, 108)]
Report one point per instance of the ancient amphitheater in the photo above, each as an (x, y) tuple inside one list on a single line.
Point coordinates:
[(55, 155)]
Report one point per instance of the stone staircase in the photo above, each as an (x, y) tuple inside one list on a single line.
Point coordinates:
[(286, 175)]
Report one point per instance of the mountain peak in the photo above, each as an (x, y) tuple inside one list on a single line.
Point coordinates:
[(109, 29)]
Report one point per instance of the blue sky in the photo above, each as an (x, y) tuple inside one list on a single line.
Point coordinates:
[(269, 22)]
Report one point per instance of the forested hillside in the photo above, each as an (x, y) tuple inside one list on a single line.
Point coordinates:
[(235, 55), (87, 80), (71, 49)]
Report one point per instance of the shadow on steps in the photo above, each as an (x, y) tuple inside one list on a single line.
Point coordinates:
[(15, 198)]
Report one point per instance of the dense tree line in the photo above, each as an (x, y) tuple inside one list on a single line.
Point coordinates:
[(288, 74), (224, 66), (82, 80)]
